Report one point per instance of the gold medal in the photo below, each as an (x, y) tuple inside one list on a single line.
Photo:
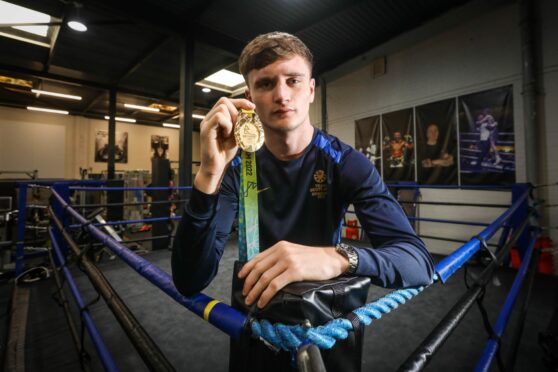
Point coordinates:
[(248, 131)]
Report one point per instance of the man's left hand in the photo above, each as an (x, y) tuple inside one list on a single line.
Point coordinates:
[(284, 263)]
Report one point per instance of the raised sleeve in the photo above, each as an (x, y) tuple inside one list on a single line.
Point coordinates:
[(397, 256), (201, 236)]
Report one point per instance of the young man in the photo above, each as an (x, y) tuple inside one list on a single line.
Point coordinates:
[(306, 181)]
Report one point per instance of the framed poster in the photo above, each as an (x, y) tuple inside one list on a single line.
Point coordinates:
[(486, 137), (159, 146), (368, 139), (437, 143), (120, 150), (398, 146)]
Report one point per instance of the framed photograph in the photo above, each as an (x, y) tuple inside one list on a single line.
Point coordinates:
[(436, 124), (486, 137), (159, 146), (120, 150)]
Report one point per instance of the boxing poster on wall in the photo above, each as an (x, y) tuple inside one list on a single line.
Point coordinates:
[(486, 137), (367, 139), (101, 147), (437, 143), (398, 146), (159, 146)]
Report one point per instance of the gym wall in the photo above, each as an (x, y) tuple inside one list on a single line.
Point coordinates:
[(30, 140), (58, 145), (474, 48)]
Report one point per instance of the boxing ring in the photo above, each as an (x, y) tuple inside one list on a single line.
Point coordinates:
[(67, 224)]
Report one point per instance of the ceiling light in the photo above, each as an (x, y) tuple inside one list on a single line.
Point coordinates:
[(226, 78), (206, 90), (54, 94), (127, 120), (170, 125), (195, 116), (75, 22), (143, 108), (77, 26), (52, 111)]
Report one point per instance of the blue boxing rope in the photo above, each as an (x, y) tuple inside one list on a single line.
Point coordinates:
[(492, 345), (150, 188), (412, 185), (222, 316), (129, 222), (291, 337), (96, 338)]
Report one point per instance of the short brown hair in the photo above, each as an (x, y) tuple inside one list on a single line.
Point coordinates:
[(268, 48)]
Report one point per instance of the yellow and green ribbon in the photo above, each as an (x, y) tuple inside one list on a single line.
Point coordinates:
[(248, 226)]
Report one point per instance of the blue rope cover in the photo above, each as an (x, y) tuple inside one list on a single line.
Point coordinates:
[(291, 337)]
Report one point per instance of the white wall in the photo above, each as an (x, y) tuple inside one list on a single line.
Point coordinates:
[(474, 48), (58, 145), (31, 140)]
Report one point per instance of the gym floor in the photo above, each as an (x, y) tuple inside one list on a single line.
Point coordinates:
[(191, 344)]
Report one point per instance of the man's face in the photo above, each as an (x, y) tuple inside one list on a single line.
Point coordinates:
[(397, 136), (282, 93), (432, 133)]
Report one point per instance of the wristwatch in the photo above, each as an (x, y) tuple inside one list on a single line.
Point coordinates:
[(350, 253)]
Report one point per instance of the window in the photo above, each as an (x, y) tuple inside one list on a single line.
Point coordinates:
[(36, 34)]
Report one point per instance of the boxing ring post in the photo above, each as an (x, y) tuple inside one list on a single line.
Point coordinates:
[(23, 186), (20, 233), (222, 316)]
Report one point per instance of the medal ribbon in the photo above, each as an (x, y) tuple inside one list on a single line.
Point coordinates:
[(248, 227)]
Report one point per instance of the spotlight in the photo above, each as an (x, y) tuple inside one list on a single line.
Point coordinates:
[(75, 22), (77, 25)]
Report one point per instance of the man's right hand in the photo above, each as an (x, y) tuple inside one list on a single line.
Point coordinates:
[(217, 144)]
